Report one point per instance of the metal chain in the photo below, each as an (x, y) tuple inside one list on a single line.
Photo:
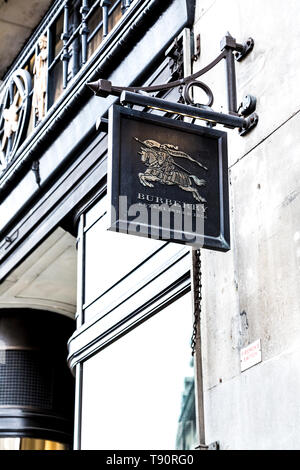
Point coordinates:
[(197, 295)]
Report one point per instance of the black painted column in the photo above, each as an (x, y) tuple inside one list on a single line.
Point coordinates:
[(36, 385)]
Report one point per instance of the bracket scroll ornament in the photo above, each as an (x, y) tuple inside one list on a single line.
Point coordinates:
[(231, 51), (15, 108)]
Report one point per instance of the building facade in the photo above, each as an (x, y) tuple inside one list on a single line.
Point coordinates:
[(96, 326)]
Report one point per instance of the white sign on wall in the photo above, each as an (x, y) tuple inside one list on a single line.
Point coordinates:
[(250, 355)]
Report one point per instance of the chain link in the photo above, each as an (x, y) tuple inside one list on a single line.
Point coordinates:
[(197, 295)]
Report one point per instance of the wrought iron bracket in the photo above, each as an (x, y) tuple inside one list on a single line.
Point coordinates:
[(248, 105), (241, 50), (203, 113), (244, 49), (230, 51), (250, 122)]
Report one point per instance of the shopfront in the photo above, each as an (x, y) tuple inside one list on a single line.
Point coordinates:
[(129, 357)]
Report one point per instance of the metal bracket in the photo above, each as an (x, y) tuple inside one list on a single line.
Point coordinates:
[(229, 49), (250, 122), (244, 49), (248, 105), (241, 50)]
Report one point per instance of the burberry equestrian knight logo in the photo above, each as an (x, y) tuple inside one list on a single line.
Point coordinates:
[(162, 167)]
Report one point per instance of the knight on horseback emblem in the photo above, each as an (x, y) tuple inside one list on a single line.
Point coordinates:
[(162, 167)]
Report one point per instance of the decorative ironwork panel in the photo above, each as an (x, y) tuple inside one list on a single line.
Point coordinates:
[(14, 115), (74, 31)]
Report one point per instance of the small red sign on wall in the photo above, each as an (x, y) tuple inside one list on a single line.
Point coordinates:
[(250, 355)]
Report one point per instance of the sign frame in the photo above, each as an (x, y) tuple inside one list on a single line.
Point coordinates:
[(116, 220)]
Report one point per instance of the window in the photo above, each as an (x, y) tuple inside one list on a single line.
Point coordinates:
[(139, 392)]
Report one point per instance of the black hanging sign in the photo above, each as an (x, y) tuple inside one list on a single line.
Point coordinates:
[(168, 179)]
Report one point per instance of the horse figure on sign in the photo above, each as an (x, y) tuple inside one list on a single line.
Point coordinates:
[(159, 158)]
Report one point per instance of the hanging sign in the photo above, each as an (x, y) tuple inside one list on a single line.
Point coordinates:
[(167, 179)]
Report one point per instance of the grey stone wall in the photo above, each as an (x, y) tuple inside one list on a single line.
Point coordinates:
[(253, 291)]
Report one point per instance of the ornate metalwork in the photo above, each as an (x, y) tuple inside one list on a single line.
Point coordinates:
[(204, 87), (125, 5), (36, 141), (248, 105), (244, 49), (84, 30), (103, 88), (11, 117), (105, 4), (15, 110), (245, 122), (40, 72), (65, 56), (196, 112)]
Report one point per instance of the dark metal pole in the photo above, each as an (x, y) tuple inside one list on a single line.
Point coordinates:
[(229, 45), (65, 57), (105, 4), (49, 61), (128, 97), (125, 5), (84, 30), (231, 82)]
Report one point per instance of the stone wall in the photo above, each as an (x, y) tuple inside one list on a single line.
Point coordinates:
[(253, 291)]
